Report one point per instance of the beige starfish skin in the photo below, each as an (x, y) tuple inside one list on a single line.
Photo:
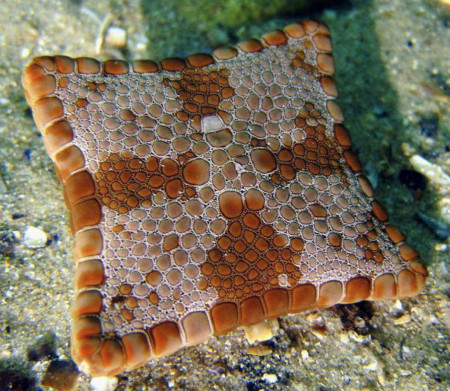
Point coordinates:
[(210, 193)]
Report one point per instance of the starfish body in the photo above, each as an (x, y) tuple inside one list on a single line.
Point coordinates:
[(210, 193)]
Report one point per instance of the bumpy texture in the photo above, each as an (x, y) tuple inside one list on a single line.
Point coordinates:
[(210, 193)]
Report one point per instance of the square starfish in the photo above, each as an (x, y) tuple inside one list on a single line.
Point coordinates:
[(210, 193)]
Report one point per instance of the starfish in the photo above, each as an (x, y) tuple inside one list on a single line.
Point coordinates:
[(209, 193)]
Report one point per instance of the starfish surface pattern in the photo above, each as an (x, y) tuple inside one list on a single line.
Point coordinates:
[(210, 192)]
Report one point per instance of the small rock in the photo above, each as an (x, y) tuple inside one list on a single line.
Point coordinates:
[(259, 350), (319, 331), (433, 172), (261, 331), (104, 383), (61, 375), (373, 366), (406, 318), (270, 378), (344, 338), (313, 317), (25, 53), (305, 354), (7, 243), (397, 309), (116, 37), (359, 338), (34, 237), (405, 373)]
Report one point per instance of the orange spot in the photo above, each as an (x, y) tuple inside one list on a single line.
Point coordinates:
[(79, 186), (169, 167), (342, 136), (196, 327), (230, 203), (170, 242), (87, 302), (224, 317), (154, 278), (174, 188), (196, 172), (88, 243), (330, 293), (276, 37), (86, 213), (196, 82), (137, 349), (89, 273), (252, 311), (276, 301), (263, 160), (112, 355), (251, 46), (335, 240), (251, 220), (165, 339), (254, 199), (173, 64), (115, 67), (303, 298), (408, 253), (379, 211), (87, 65), (200, 60), (357, 289), (394, 234), (318, 210), (407, 284), (352, 160)]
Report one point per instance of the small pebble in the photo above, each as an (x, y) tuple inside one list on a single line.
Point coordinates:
[(270, 378), (319, 331), (115, 37), (104, 383), (260, 331), (305, 354), (34, 237), (61, 375), (406, 351), (313, 316), (344, 338), (7, 243), (359, 338), (433, 172), (260, 350), (403, 319), (373, 366), (397, 309), (25, 53)]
